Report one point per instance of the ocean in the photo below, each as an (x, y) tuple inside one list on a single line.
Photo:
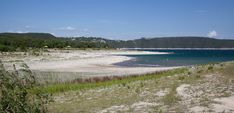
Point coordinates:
[(178, 58)]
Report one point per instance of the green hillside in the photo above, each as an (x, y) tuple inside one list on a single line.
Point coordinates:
[(176, 42), (23, 41)]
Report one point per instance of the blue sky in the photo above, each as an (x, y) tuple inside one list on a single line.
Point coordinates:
[(119, 19)]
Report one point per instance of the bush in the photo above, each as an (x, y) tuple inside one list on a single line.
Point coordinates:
[(4, 48), (210, 67), (19, 92), (181, 77)]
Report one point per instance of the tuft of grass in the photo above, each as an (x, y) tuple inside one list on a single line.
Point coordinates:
[(107, 81), (189, 73), (181, 77), (228, 71), (198, 76), (199, 71), (171, 98), (142, 84), (123, 84), (226, 94), (210, 68)]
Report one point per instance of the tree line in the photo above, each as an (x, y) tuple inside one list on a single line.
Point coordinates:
[(21, 42)]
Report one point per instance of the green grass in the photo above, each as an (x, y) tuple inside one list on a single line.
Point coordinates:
[(62, 87), (171, 97), (130, 91)]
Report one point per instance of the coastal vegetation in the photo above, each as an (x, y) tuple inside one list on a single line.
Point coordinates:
[(95, 82), (196, 88), (16, 94), (175, 42), (180, 90), (117, 56), (25, 41)]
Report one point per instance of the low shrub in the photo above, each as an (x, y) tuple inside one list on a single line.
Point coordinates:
[(16, 95), (210, 67), (4, 48)]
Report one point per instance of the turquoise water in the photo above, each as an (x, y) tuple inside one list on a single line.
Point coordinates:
[(180, 58)]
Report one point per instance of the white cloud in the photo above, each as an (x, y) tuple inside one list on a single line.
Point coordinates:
[(20, 31), (212, 34), (53, 33), (17, 31), (69, 28)]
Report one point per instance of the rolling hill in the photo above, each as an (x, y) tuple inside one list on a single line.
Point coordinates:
[(22, 41), (175, 42)]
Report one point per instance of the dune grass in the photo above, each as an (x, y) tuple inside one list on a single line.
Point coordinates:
[(157, 90), (106, 81)]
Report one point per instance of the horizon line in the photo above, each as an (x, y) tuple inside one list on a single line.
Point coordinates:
[(227, 38)]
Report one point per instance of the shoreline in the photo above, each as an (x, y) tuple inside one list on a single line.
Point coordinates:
[(176, 48), (102, 63), (66, 65)]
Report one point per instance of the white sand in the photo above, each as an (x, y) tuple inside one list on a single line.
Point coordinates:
[(224, 104), (182, 91), (90, 62)]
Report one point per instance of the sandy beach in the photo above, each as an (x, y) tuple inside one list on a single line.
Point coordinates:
[(85, 63)]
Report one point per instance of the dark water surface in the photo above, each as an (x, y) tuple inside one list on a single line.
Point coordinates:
[(180, 58)]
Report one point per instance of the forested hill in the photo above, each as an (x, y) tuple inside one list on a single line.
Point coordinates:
[(23, 41), (175, 42), (28, 35)]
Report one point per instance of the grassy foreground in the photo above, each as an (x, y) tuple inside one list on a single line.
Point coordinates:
[(107, 81), (204, 88)]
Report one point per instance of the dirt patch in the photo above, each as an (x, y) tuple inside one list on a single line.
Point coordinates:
[(198, 109), (162, 93), (143, 107), (183, 91), (225, 104), (114, 109)]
